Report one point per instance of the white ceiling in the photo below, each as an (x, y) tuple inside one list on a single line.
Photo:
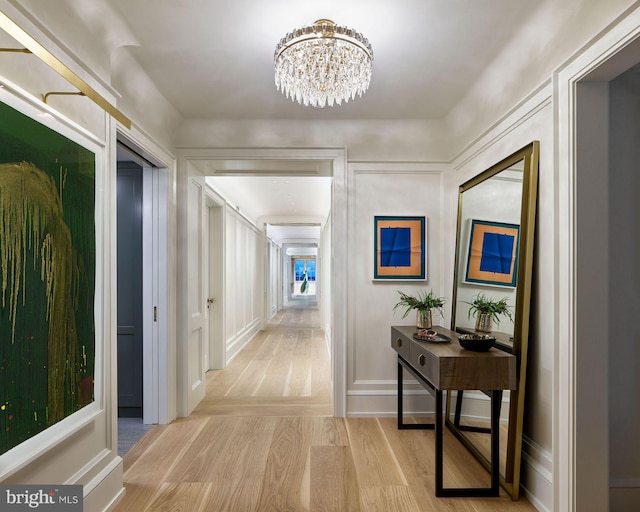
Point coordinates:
[(214, 59), (276, 196)]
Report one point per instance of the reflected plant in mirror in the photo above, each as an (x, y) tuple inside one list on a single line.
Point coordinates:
[(486, 311)]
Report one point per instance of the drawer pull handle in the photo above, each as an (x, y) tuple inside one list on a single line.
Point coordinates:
[(421, 360), (399, 342)]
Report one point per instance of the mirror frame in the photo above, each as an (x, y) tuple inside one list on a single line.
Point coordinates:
[(510, 480)]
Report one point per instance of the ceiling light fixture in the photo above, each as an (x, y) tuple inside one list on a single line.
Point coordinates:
[(323, 64)]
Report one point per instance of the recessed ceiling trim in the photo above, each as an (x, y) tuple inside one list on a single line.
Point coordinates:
[(261, 167), (294, 224)]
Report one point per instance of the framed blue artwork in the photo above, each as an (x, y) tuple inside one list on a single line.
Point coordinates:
[(399, 248), (493, 253)]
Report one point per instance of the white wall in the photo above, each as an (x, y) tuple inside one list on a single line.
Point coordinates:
[(404, 140), (551, 37), (385, 189), (242, 286)]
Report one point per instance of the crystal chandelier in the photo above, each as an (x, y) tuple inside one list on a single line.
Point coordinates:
[(323, 64)]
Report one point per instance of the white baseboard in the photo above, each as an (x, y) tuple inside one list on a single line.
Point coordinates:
[(417, 402), (238, 342), (114, 503), (384, 404), (536, 478), (105, 490)]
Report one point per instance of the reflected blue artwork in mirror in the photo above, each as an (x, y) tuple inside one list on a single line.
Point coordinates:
[(493, 253), (496, 253)]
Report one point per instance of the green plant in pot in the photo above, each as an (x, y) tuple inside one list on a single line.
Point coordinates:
[(423, 302), (486, 311)]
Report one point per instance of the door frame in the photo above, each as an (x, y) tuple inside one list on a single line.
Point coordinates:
[(577, 442), (158, 168), (201, 162)]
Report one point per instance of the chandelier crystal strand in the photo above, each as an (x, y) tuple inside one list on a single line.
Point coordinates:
[(322, 65)]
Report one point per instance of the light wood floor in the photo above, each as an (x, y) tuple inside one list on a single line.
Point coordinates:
[(264, 440)]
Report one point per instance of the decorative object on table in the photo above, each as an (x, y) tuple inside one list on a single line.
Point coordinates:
[(486, 310), (323, 64), (423, 302), (493, 253), (476, 342), (48, 258), (431, 335), (399, 248)]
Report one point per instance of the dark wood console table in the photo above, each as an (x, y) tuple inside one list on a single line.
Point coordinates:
[(442, 367)]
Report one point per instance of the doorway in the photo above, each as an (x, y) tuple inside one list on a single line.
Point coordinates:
[(269, 164), (129, 283), (597, 160), (141, 230)]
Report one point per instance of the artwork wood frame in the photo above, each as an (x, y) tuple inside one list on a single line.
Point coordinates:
[(400, 248), (492, 256), (49, 321)]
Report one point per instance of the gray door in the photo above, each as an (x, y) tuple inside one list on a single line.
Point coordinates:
[(129, 198)]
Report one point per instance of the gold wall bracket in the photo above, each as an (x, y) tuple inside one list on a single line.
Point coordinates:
[(45, 97), (32, 46), (15, 50)]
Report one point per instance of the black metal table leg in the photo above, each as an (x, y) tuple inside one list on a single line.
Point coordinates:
[(496, 402), (453, 492), (400, 411), (401, 424), (439, 447), (466, 492)]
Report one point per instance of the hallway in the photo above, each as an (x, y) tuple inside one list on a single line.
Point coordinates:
[(264, 439), (284, 371)]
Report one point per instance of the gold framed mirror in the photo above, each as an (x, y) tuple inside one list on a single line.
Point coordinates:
[(494, 259)]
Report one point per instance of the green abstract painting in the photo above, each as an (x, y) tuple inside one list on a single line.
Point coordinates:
[(47, 277)]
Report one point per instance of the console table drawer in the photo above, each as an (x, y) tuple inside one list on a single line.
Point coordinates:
[(401, 345), (425, 362)]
